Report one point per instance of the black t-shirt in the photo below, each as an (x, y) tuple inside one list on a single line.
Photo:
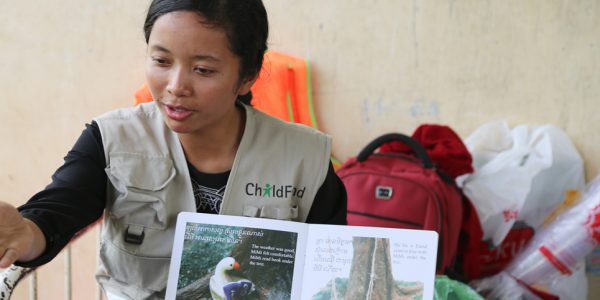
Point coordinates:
[(208, 189), (76, 197)]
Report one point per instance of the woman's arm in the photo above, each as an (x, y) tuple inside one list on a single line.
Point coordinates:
[(329, 206), (73, 200)]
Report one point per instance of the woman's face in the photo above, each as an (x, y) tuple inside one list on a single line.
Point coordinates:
[(192, 74)]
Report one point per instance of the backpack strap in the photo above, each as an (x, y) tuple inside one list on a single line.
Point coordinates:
[(416, 147)]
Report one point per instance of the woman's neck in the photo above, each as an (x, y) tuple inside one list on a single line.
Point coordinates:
[(213, 150)]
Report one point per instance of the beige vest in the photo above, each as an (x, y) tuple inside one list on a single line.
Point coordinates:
[(277, 172)]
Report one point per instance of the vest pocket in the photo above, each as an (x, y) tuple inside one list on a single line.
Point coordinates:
[(137, 239), (150, 273), (271, 212), (139, 194)]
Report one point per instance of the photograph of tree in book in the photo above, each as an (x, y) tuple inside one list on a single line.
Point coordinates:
[(370, 276), (230, 262)]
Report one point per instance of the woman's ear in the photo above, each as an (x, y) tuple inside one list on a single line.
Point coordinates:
[(246, 85)]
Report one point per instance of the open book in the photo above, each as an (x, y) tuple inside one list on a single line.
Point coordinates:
[(226, 257)]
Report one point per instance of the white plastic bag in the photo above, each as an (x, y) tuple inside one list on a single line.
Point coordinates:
[(503, 286), (520, 174), (511, 289), (554, 259)]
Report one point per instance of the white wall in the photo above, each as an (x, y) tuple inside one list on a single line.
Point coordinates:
[(378, 66)]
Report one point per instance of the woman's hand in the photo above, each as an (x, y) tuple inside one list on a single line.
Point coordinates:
[(20, 239)]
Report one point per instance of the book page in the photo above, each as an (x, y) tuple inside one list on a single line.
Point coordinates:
[(215, 255), (369, 263)]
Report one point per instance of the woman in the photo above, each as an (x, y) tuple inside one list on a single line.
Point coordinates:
[(198, 147)]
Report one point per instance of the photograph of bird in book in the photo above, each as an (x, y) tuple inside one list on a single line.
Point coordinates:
[(228, 262)]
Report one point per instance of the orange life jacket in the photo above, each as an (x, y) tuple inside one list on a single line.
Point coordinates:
[(283, 89)]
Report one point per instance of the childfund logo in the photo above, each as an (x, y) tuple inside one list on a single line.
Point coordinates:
[(273, 190)]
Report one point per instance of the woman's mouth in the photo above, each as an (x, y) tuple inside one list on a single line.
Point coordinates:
[(177, 113)]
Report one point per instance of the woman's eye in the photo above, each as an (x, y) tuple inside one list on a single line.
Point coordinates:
[(203, 71), (160, 61)]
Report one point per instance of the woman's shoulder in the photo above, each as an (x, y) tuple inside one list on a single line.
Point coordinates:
[(131, 122), (263, 121), (143, 110)]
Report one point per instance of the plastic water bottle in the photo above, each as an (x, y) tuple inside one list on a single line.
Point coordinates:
[(559, 248), (554, 257)]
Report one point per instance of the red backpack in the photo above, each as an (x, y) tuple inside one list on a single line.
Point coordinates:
[(404, 191)]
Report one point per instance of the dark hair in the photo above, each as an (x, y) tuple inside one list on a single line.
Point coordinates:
[(244, 21)]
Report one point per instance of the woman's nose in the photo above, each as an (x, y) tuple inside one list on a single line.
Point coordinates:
[(179, 83)]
